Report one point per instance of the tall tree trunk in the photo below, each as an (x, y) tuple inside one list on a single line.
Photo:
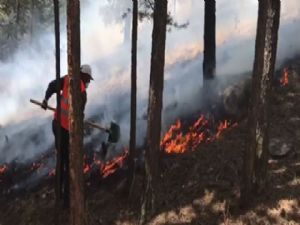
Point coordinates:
[(77, 201), (58, 184), (256, 155), (17, 26), (17, 14), (132, 151), (209, 61), (32, 19), (209, 58), (154, 109)]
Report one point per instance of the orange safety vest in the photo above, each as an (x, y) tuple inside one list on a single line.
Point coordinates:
[(64, 103)]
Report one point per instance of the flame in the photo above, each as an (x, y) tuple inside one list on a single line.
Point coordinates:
[(284, 80), (86, 168), (52, 173), (169, 135), (106, 169), (175, 141), (222, 126), (3, 169), (110, 167)]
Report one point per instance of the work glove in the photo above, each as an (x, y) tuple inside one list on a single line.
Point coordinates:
[(44, 104)]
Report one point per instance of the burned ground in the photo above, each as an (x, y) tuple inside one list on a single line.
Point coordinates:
[(199, 187)]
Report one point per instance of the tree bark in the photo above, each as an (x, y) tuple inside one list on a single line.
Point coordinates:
[(256, 154), (77, 201), (209, 61), (17, 25), (154, 109), (32, 20), (58, 184), (17, 12), (132, 151)]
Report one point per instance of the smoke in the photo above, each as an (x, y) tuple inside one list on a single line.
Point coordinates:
[(107, 49)]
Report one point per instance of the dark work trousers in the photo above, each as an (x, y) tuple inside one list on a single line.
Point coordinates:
[(64, 165)]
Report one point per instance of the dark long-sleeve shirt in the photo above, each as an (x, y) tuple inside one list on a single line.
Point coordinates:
[(52, 90)]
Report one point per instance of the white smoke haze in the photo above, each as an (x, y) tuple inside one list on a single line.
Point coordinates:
[(106, 47)]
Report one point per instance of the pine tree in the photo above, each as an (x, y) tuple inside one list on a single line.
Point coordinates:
[(209, 56), (154, 109), (132, 144), (209, 61), (77, 201), (256, 155), (58, 183)]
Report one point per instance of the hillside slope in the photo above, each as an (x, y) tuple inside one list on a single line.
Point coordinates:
[(199, 187)]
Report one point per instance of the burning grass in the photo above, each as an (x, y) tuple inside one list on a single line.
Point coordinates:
[(107, 168), (202, 131), (176, 140), (284, 80), (3, 169)]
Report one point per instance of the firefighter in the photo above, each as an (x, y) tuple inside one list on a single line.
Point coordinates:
[(86, 77)]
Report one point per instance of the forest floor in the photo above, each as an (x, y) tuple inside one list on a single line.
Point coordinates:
[(199, 187)]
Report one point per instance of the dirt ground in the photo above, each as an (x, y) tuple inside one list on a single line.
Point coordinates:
[(200, 187)]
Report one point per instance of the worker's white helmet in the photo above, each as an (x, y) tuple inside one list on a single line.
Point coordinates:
[(87, 70)]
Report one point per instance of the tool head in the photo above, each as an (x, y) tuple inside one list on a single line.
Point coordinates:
[(114, 133)]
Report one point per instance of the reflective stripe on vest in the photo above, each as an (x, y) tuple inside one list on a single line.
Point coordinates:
[(64, 103)]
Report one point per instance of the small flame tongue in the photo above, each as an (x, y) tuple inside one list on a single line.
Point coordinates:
[(284, 80), (222, 126), (113, 165), (108, 168), (86, 168), (3, 169), (175, 141)]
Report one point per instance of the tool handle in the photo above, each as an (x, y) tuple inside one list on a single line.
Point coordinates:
[(40, 104), (92, 124), (96, 125)]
